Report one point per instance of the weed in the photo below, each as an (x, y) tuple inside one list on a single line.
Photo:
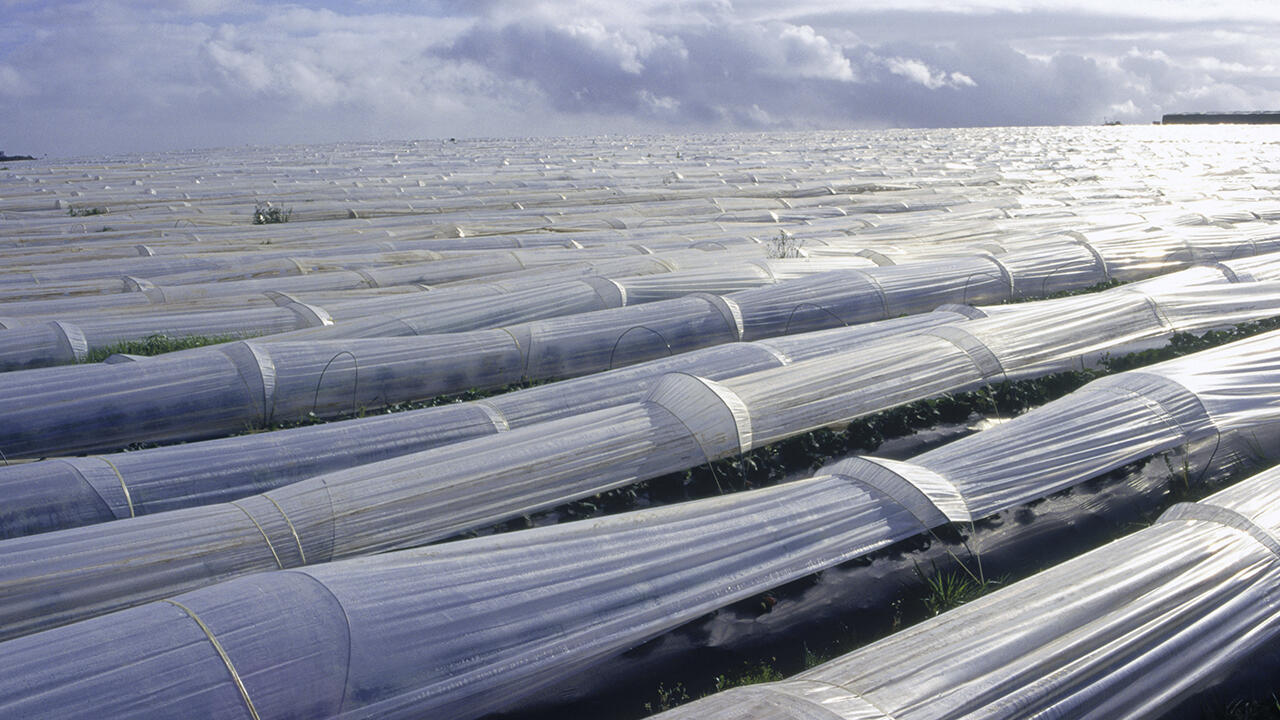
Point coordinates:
[(1186, 343), (465, 396), (668, 698), (949, 589), (264, 213), (785, 247), (1096, 287), (811, 658), (155, 345), (82, 212), (762, 672)]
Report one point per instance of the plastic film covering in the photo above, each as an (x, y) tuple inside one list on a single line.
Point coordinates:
[(372, 507), (424, 266), (828, 390), (424, 313), (683, 422), (30, 346), (332, 377), (1258, 268), (1040, 269), (1215, 378), (556, 635), (856, 296), (807, 346), (1028, 339), (248, 384), (723, 280), (1223, 400), (865, 381), (1137, 251), (428, 315), (356, 632), (224, 391), (1124, 631), (55, 494)]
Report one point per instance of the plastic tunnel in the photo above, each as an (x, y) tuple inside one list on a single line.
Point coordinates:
[(503, 627), (67, 492), (1124, 631), (215, 391), (683, 422)]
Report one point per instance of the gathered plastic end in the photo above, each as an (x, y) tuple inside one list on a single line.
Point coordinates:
[(610, 293), (716, 417), (729, 309), (983, 358), (258, 372), (310, 315), (927, 495), (72, 345), (969, 311)]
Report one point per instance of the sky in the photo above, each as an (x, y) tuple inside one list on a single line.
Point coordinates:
[(126, 76)]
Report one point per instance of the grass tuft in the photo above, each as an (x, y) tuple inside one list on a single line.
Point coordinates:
[(948, 589), (156, 345)]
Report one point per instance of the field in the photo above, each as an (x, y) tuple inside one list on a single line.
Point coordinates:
[(909, 424)]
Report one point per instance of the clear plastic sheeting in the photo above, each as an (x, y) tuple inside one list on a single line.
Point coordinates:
[(60, 493), (683, 422), (218, 391), (1032, 339), (510, 614), (32, 345), (854, 296), (1216, 405), (60, 409), (1127, 630), (354, 630)]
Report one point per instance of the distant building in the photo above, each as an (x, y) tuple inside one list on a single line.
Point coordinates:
[(1262, 117)]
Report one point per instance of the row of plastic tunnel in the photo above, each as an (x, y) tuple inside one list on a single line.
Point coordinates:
[(346, 568), (287, 632)]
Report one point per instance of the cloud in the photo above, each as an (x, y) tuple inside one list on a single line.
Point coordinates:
[(920, 73), (808, 54), (102, 75)]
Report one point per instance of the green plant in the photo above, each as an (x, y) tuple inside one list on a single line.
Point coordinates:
[(1179, 474), (949, 589), (668, 698), (264, 213), (761, 672), (155, 345), (811, 658), (82, 212), (1096, 287)]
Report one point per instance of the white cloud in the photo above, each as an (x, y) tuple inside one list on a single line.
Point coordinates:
[(239, 67), (625, 48), (921, 74), (811, 55), (664, 105)]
